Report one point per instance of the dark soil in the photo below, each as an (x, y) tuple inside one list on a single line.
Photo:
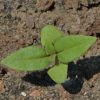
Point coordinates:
[(20, 25)]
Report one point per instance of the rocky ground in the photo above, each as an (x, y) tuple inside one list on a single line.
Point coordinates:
[(20, 25)]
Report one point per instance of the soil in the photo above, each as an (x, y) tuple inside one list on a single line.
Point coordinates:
[(20, 25)]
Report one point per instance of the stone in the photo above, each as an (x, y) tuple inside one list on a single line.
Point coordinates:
[(44, 5)]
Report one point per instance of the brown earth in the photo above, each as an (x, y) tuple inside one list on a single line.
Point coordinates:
[(20, 25)]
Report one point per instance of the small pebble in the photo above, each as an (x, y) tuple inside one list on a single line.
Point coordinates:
[(36, 93), (23, 94), (44, 5)]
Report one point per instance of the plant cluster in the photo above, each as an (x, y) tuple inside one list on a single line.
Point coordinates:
[(54, 53)]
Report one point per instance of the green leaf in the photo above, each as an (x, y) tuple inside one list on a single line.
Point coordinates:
[(71, 47), (31, 58), (58, 73), (49, 48), (49, 35)]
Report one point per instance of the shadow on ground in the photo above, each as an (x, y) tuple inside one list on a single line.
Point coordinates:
[(83, 69), (39, 78)]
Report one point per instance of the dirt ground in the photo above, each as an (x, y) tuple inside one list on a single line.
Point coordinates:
[(20, 25)]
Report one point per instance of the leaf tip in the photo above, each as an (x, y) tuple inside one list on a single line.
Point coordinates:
[(3, 61)]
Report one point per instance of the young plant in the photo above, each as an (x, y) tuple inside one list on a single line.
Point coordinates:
[(56, 51)]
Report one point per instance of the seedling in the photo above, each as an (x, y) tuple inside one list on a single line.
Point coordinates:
[(56, 51)]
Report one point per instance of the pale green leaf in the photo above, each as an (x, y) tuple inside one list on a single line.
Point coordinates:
[(49, 48), (58, 73), (31, 58), (71, 47), (49, 35)]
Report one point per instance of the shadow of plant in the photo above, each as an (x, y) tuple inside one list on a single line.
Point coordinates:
[(83, 69), (39, 78)]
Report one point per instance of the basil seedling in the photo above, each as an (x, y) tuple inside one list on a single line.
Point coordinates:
[(54, 53)]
